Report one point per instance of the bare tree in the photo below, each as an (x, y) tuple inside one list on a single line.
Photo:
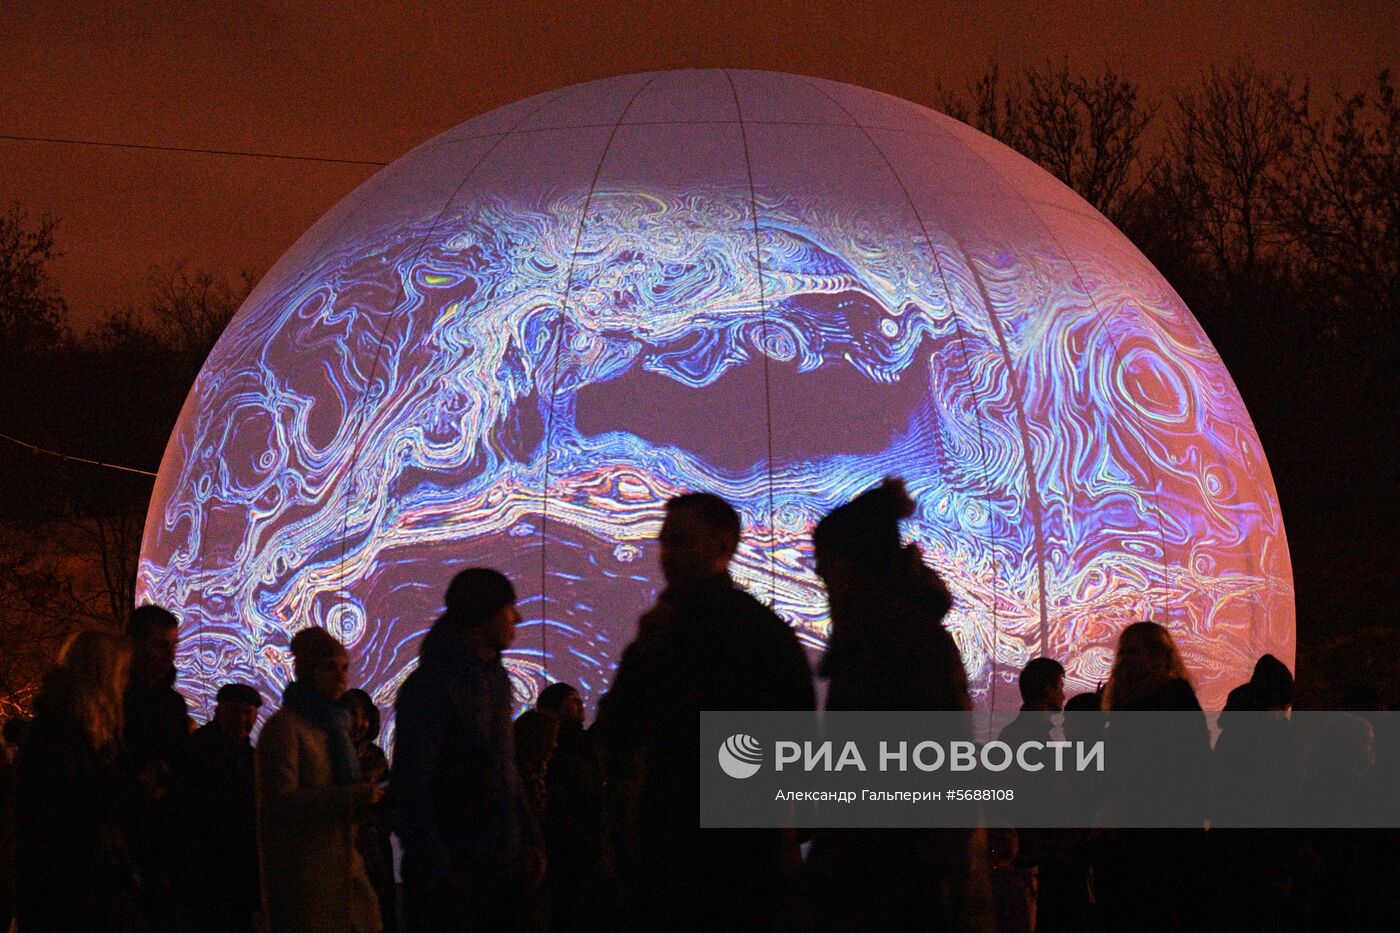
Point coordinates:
[(1341, 200), (31, 308), (191, 308), (989, 104), (1086, 130), (49, 588), (111, 394), (1227, 153)]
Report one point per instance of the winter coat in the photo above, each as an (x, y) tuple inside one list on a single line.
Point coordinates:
[(706, 646), (1172, 751), (889, 651), (213, 803), (74, 872), (154, 735), (458, 801), (576, 822), (314, 880), (372, 835)]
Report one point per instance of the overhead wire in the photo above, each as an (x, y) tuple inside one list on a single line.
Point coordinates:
[(240, 153), (70, 458), (243, 153)]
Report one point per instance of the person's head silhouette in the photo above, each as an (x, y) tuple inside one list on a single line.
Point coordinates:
[(698, 538)]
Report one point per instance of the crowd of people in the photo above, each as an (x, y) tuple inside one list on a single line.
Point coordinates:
[(125, 817)]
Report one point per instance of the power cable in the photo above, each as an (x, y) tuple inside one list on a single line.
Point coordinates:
[(68, 457), (188, 149)]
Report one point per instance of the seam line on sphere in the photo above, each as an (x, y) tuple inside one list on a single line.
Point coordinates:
[(1033, 503), (1102, 322), (763, 349), (401, 293), (553, 368), (967, 367)]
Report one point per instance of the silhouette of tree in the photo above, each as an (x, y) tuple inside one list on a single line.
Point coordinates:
[(1341, 198), (1086, 130), (31, 309), (70, 533), (32, 332), (1227, 152), (988, 103)]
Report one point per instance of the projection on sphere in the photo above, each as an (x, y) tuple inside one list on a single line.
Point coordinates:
[(512, 345)]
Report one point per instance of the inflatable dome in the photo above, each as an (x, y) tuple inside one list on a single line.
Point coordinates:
[(514, 344)]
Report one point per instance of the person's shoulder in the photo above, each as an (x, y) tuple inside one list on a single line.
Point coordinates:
[(206, 736), (282, 726), (373, 756), (54, 726), (424, 688), (174, 699), (1177, 694), (754, 611)]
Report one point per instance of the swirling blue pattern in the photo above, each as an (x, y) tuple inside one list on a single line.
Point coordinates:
[(514, 344)]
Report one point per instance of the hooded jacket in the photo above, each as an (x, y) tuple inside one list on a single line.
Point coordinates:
[(458, 801)]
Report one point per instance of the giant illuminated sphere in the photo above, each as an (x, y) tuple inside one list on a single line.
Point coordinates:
[(512, 345)]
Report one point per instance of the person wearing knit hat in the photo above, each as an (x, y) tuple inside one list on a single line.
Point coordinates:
[(214, 800), (866, 529), (887, 649), (477, 597), (473, 852), (858, 550), (310, 795)]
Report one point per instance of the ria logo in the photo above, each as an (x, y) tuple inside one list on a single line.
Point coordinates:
[(740, 756)]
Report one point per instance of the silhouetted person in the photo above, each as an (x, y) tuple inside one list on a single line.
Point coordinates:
[(1065, 903), (1356, 877), (1014, 884), (372, 833), (214, 804), (1042, 687), (75, 874), (1274, 683), (536, 733), (310, 795), (1087, 726), (472, 851), (157, 729), (888, 650), (575, 824), (1053, 852), (1256, 762), (1255, 783), (706, 645), (1084, 723), (1151, 877)]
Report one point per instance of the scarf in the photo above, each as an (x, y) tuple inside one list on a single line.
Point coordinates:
[(332, 719)]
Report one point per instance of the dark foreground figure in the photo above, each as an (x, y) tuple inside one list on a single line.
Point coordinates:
[(706, 645), (889, 651), (75, 874), (473, 855), (580, 881), (1150, 879), (155, 735), (214, 807)]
